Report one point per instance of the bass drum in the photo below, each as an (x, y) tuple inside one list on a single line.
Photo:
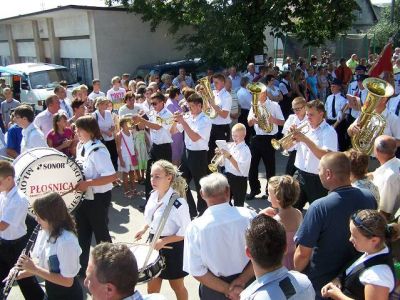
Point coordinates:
[(153, 267), (40, 171)]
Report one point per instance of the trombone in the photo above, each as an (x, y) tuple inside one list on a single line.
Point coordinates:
[(287, 141)]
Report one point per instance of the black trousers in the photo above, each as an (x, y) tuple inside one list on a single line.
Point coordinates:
[(290, 168), (238, 185), (9, 253), (261, 148), (218, 132), (310, 188), (194, 166), (92, 217), (206, 293), (59, 292), (244, 113), (341, 130), (112, 148), (157, 152)]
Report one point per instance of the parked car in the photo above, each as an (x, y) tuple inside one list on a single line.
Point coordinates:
[(32, 83)]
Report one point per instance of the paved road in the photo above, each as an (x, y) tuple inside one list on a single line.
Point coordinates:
[(126, 220)]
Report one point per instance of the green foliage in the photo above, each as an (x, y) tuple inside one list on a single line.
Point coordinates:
[(384, 29), (225, 32)]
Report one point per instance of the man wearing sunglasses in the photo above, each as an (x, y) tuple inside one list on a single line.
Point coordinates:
[(323, 237)]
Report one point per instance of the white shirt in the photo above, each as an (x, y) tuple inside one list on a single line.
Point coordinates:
[(215, 241), (224, 100), (340, 102), (275, 111), (95, 163), (201, 124), (124, 110), (292, 120), (392, 127), (283, 87), (116, 97), (380, 275), (92, 96), (32, 137), (178, 218), (387, 179), (188, 80), (235, 81), (362, 94), (244, 98), (325, 137), (105, 123), (13, 210), (66, 108), (397, 83), (162, 135), (353, 87), (241, 153), (250, 76), (44, 121), (393, 103), (59, 256)]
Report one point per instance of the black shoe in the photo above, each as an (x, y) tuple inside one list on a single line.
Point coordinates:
[(252, 195)]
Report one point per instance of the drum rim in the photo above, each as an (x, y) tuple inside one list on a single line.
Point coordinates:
[(68, 159)]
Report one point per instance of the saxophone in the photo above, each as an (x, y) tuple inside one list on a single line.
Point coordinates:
[(261, 113), (371, 124), (207, 95), (12, 276)]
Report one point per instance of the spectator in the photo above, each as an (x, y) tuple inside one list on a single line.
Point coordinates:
[(344, 74), (183, 77), (285, 86), (61, 137), (273, 93), (65, 106), (44, 120), (96, 90), (323, 84), (116, 94), (14, 138), (235, 78), (129, 107), (265, 246), (323, 237), (312, 84), (352, 63), (7, 105), (283, 192), (251, 72), (358, 172)]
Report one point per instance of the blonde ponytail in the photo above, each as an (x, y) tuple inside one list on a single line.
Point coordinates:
[(178, 183)]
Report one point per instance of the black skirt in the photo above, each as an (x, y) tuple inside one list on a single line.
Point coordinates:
[(58, 292), (173, 261)]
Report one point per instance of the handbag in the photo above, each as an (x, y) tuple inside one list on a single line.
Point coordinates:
[(133, 157)]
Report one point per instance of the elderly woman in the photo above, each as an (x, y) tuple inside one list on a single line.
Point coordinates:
[(359, 169)]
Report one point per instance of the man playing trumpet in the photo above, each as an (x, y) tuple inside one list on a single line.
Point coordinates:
[(320, 139), (197, 128)]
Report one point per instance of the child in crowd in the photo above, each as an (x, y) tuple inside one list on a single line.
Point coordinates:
[(127, 161), (283, 193), (142, 144)]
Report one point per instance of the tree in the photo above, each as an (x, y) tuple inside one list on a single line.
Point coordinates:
[(384, 29), (230, 32)]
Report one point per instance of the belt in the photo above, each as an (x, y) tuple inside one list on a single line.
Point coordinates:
[(237, 176), (307, 173), (11, 242)]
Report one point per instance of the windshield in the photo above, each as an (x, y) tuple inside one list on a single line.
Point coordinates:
[(50, 78)]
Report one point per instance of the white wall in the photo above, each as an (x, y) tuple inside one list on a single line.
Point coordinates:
[(22, 30), (73, 23), (43, 31), (75, 48), (3, 32), (123, 42), (4, 49), (26, 49)]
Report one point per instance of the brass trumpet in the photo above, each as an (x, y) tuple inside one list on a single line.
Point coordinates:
[(170, 120), (287, 141), (215, 162)]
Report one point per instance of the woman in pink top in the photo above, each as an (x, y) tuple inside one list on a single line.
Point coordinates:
[(283, 193), (61, 136)]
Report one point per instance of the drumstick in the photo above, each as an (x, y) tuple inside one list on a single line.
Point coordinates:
[(144, 244), (67, 192), (7, 158)]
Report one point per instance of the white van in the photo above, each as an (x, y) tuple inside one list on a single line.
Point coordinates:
[(32, 83)]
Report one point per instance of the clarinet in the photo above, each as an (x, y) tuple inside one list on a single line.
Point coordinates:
[(12, 276)]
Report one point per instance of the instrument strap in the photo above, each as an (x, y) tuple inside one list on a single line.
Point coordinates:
[(160, 227)]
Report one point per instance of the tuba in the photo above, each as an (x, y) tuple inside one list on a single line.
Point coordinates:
[(371, 124), (206, 93), (261, 113)]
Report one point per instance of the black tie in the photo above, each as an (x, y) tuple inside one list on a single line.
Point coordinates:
[(333, 107), (83, 151), (397, 109)]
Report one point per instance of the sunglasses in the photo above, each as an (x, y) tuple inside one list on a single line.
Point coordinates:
[(297, 108), (359, 224)]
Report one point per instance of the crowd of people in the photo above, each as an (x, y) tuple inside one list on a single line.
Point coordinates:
[(166, 133)]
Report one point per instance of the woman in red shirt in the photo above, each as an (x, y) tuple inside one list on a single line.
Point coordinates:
[(61, 136)]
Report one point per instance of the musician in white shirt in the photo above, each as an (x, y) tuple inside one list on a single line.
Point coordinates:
[(260, 144), (357, 98), (319, 140), (215, 242), (237, 164), (32, 137), (222, 104), (13, 239), (245, 100), (168, 186), (197, 128), (299, 116), (336, 115), (160, 134)]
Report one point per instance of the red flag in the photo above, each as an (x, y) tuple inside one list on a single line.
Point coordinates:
[(384, 63)]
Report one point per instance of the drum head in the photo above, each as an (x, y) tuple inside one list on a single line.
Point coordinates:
[(42, 171), (140, 252)]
